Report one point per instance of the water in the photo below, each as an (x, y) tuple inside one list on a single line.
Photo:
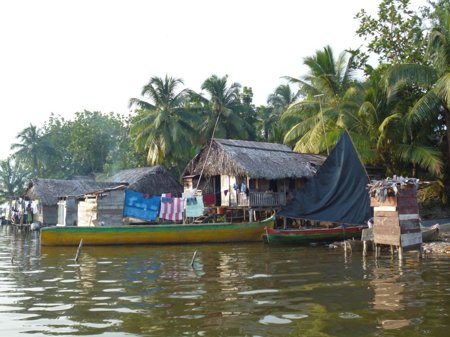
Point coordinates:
[(231, 290)]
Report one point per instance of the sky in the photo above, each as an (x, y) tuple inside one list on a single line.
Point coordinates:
[(65, 56)]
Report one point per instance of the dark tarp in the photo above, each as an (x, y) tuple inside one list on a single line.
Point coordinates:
[(337, 193)]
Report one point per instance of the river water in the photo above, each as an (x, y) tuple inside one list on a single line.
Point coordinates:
[(231, 290)]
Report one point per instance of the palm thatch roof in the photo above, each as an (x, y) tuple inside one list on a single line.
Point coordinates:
[(252, 159), (49, 190), (153, 180)]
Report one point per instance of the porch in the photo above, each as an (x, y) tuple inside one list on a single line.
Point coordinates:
[(258, 199)]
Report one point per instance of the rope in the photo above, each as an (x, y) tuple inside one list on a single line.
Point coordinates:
[(209, 150)]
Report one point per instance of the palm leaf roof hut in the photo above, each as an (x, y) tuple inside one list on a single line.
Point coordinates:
[(238, 173), (154, 180), (47, 193)]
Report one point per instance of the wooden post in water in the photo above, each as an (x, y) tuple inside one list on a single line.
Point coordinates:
[(193, 259), (79, 250)]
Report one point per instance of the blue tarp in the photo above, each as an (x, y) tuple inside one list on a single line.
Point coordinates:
[(140, 207), (338, 192)]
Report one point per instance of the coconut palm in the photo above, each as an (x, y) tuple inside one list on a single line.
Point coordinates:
[(221, 110), (384, 136), (433, 108), (163, 126), (329, 97), (268, 117), (32, 149), (12, 179)]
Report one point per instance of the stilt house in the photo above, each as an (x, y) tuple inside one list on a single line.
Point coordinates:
[(248, 174)]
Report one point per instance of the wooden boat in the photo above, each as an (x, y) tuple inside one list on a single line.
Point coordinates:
[(155, 234), (299, 236)]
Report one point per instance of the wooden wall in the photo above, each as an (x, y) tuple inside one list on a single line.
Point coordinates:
[(104, 209), (110, 208), (396, 220)]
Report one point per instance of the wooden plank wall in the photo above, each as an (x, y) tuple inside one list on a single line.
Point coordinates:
[(87, 212), (396, 220), (110, 208)]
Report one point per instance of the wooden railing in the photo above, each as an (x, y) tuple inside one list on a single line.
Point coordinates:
[(262, 199)]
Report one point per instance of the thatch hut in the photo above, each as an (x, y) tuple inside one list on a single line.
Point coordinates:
[(108, 206), (47, 193), (238, 173), (153, 180)]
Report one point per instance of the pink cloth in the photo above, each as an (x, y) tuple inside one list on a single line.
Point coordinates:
[(172, 210)]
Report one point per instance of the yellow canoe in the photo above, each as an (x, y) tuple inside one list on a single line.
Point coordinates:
[(156, 234)]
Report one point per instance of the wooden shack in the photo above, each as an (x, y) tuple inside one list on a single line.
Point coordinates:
[(106, 206), (47, 194), (248, 174), (103, 207), (396, 213)]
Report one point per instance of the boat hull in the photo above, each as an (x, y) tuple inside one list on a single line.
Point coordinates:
[(155, 234), (301, 236)]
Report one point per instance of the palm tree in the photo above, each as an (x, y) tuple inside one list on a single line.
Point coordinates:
[(433, 108), (32, 148), (221, 110), (268, 121), (329, 99), (384, 135), (12, 179), (164, 126)]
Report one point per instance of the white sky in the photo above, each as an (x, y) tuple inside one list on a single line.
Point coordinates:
[(64, 56)]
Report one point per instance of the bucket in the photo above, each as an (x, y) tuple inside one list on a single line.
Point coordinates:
[(221, 210)]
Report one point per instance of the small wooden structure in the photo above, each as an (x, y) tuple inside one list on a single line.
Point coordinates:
[(247, 174), (396, 214), (103, 207)]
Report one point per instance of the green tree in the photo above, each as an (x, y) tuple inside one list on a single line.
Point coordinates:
[(384, 135), (433, 108), (221, 110), (94, 141), (395, 34), (329, 98), (12, 179), (32, 148), (164, 125)]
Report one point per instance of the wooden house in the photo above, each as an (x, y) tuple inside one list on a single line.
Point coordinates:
[(248, 174), (106, 206), (49, 195)]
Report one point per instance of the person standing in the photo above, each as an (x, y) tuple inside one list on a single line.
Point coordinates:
[(29, 213)]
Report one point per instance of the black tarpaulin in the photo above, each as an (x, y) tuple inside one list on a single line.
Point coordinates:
[(337, 193)]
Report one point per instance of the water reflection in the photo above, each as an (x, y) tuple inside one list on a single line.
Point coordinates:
[(231, 290)]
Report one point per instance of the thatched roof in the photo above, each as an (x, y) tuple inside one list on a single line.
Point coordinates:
[(252, 159), (153, 180), (49, 190)]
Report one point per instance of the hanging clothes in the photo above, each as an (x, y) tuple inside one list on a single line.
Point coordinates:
[(171, 208), (195, 207)]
